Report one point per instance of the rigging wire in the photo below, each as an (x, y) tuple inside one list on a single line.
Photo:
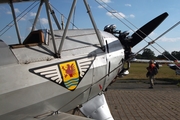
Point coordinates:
[(22, 14), (64, 16), (120, 19), (110, 11), (19, 18), (74, 17), (133, 26), (159, 37), (124, 22), (113, 14)]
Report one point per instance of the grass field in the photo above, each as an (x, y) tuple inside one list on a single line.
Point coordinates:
[(138, 71)]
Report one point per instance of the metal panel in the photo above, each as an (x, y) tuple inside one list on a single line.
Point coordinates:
[(33, 54), (6, 55), (115, 55), (39, 99), (97, 108), (77, 42)]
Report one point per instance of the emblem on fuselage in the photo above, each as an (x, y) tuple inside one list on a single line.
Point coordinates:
[(67, 74), (70, 74)]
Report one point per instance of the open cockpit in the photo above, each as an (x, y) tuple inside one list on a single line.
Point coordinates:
[(33, 39)]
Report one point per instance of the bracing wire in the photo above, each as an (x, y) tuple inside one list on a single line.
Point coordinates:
[(8, 26), (74, 17), (64, 16), (106, 8), (22, 14), (152, 41), (110, 11), (124, 22)]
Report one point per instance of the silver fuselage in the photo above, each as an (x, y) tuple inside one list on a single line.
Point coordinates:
[(27, 89)]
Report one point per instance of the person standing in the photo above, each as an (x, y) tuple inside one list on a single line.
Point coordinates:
[(151, 73)]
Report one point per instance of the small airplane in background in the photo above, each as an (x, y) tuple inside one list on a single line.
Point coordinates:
[(54, 71), (175, 66)]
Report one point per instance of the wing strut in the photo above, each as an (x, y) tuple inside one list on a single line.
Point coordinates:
[(15, 21), (50, 25), (54, 16), (94, 24), (37, 15), (66, 28)]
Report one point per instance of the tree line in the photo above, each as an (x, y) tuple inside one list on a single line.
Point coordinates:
[(149, 54)]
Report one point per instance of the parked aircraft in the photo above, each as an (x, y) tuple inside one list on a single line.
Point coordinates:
[(54, 71), (175, 67)]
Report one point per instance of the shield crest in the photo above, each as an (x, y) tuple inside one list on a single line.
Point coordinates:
[(70, 74)]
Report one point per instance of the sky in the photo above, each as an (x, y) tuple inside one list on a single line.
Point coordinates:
[(131, 14)]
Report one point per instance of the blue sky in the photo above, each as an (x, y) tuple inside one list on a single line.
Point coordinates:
[(138, 12)]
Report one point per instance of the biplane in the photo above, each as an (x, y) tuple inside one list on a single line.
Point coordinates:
[(52, 71)]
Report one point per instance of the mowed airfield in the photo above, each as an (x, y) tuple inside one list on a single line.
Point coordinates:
[(130, 98)]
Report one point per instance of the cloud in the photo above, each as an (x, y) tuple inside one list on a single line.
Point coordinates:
[(132, 16), (9, 37), (9, 12), (32, 14), (165, 39), (99, 6), (102, 6), (105, 1), (116, 15), (16, 10), (44, 21), (23, 18), (152, 34), (128, 5), (2, 8), (29, 29)]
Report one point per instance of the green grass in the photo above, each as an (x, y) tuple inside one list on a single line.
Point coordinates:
[(138, 71)]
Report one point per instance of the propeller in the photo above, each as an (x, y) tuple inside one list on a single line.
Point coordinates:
[(145, 30)]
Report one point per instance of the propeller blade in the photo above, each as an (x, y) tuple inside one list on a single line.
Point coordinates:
[(145, 30)]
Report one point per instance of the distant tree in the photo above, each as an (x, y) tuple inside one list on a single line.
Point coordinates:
[(139, 56), (160, 57), (148, 54), (176, 55), (169, 56), (166, 53)]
